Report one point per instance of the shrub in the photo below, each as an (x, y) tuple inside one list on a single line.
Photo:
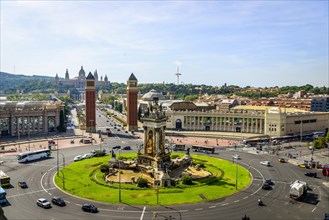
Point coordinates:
[(104, 168), (187, 180), (141, 182), (174, 156)]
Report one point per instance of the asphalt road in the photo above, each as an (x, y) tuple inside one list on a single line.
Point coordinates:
[(278, 205)]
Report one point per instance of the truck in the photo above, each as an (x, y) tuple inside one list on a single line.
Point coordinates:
[(298, 189)]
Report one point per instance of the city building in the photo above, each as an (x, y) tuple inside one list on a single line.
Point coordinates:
[(29, 117), (78, 83), (320, 104)]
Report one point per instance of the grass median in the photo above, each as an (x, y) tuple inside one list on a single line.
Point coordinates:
[(84, 179)]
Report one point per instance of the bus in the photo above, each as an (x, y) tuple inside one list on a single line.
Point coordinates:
[(179, 147), (204, 149), (34, 155), (4, 179), (325, 170), (3, 195)]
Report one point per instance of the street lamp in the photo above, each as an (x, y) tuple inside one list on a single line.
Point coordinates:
[(119, 175), (236, 173)]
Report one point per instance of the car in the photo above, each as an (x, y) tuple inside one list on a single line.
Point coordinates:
[(77, 158), (269, 181), (266, 186), (85, 156), (58, 201), (22, 184), (281, 160), (118, 129), (116, 147), (311, 174), (126, 148), (42, 202), (237, 157), (89, 208), (265, 163), (126, 132)]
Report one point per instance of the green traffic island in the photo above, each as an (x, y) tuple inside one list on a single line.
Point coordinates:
[(206, 179)]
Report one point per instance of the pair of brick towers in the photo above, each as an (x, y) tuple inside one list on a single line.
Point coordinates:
[(90, 94)]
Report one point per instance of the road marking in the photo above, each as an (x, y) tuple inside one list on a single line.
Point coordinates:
[(245, 197), (211, 207), (142, 216), (237, 200), (224, 204), (23, 194), (313, 209), (198, 209), (267, 193)]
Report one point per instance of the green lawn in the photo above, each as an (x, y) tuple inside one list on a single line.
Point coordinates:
[(79, 179)]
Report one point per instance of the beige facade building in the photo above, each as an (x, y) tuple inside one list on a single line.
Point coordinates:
[(29, 117), (263, 120)]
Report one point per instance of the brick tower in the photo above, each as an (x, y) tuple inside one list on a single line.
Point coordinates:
[(90, 91), (132, 91)]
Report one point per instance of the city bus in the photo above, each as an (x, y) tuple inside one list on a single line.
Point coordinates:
[(179, 147), (3, 195), (34, 155), (4, 179), (204, 149)]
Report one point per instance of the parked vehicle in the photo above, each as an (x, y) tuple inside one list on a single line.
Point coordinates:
[(58, 201), (77, 158), (116, 147), (89, 208), (42, 202), (22, 184), (126, 148), (311, 174), (265, 163), (298, 189)]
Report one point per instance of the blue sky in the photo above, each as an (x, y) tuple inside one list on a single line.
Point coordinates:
[(256, 43)]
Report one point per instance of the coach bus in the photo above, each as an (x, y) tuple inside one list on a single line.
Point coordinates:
[(34, 155), (4, 179), (3, 195), (203, 149)]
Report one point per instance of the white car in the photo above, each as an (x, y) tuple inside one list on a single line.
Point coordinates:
[(77, 158), (85, 156), (237, 157), (265, 163)]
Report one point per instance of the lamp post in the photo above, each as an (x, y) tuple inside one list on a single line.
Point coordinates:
[(57, 158), (236, 173), (119, 175), (28, 133)]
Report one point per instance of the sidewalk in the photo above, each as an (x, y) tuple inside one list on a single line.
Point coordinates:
[(60, 141)]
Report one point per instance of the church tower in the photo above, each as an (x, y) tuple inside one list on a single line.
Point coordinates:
[(67, 76), (132, 91), (90, 91), (96, 75)]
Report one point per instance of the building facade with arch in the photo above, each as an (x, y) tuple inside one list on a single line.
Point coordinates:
[(29, 117), (271, 121)]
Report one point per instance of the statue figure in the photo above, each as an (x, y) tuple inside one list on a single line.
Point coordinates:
[(113, 154)]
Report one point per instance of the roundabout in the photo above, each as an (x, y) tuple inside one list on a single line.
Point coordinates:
[(84, 179), (40, 175)]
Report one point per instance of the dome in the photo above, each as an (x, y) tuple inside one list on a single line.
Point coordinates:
[(82, 73), (151, 95)]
